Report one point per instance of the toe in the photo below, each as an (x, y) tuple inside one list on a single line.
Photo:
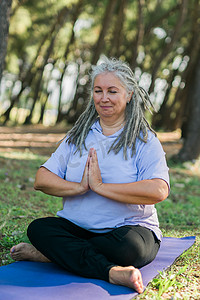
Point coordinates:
[(12, 250), (138, 287)]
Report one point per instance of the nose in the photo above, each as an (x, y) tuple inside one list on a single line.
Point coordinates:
[(104, 97)]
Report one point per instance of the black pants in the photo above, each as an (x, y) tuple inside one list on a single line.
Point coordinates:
[(92, 254)]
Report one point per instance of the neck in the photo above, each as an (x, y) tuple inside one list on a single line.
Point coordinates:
[(110, 127)]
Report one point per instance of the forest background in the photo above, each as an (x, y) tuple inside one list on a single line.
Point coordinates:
[(52, 45), (46, 51)]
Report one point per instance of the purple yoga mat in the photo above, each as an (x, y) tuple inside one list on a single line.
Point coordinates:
[(46, 281)]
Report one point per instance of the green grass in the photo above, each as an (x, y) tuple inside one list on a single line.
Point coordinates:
[(178, 216), (19, 202)]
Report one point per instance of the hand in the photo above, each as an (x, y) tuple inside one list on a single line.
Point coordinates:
[(84, 184), (95, 179)]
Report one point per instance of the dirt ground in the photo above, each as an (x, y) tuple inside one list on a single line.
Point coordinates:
[(43, 140)]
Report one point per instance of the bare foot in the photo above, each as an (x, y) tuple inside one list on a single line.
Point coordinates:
[(127, 276), (25, 251)]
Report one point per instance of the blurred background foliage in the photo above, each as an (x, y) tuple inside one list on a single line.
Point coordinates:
[(52, 45)]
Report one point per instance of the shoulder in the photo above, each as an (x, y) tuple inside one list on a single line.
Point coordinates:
[(149, 150), (63, 147), (151, 140)]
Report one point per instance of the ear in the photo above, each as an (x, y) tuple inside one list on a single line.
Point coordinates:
[(129, 97)]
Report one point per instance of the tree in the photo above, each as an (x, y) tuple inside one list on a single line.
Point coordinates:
[(159, 39), (191, 146), (105, 25), (5, 6), (174, 109)]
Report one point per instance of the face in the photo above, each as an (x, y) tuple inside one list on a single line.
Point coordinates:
[(110, 97)]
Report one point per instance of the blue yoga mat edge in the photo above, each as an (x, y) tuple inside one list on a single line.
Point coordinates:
[(29, 280)]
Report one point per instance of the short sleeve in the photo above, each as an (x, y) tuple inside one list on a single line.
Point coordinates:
[(58, 161), (151, 161)]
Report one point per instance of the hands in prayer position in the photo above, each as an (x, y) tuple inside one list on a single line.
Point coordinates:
[(92, 175)]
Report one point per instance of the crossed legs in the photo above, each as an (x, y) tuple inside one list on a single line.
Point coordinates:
[(113, 256)]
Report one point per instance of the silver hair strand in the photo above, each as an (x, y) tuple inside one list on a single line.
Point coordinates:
[(136, 125)]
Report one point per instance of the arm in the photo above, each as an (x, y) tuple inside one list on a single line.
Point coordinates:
[(51, 184), (142, 192)]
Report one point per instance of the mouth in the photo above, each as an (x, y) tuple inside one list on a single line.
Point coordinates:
[(106, 107)]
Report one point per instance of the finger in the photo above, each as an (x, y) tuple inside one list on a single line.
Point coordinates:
[(86, 164), (88, 161), (91, 151), (96, 158), (86, 169), (91, 156), (95, 154)]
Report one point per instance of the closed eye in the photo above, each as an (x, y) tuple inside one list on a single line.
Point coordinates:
[(113, 92)]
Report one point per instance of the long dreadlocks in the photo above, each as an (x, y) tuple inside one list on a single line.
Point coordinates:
[(136, 125)]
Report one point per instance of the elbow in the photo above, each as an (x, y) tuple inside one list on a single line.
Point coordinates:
[(162, 194), (161, 197), (37, 186), (162, 191), (40, 180)]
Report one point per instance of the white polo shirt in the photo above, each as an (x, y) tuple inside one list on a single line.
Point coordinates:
[(100, 214)]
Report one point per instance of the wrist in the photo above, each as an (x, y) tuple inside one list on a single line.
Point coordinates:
[(82, 189), (98, 188)]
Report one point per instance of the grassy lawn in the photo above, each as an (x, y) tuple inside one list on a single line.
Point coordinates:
[(179, 216)]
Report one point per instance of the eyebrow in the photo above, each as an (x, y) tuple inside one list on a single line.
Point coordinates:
[(110, 87)]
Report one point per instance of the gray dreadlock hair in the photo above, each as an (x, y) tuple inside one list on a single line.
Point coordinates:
[(135, 121)]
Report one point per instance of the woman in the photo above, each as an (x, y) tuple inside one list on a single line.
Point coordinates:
[(110, 170)]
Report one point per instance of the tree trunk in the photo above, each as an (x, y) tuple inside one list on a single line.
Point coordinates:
[(43, 105), (162, 118), (176, 114), (27, 77), (5, 6), (140, 33), (157, 21), (76, 14), (168, 47), (117, 39), (73, 112), (60, 22), (191, 146), (180, 107), (39, 80), (105, 25), (182, 114)]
